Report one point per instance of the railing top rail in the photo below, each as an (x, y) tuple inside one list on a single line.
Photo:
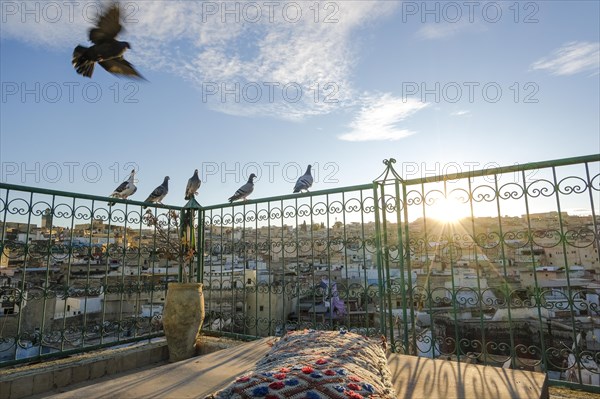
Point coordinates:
[(293, 196), (505, 169), (69, 194), (369, 186)]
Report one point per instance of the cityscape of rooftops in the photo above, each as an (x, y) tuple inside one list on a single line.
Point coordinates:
[(426, 171)]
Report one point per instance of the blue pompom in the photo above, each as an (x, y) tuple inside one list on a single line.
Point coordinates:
[(339, 388), (369, 388), (260, 391)]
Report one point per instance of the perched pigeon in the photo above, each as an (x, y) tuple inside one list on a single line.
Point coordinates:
[(245, 190), (159, 192), (192, 186), (304, 182), (107, 51), (125, 189)]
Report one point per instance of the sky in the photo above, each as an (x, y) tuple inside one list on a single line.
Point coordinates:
[(239, 87)]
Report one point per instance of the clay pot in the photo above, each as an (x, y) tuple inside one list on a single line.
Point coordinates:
[(182, 319)]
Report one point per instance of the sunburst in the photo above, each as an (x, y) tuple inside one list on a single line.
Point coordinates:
[(448, 210)]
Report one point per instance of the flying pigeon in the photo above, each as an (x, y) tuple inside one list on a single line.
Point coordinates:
[(159, 192), (107, 51), (304, 182), (125, 189), (245, 190), (193, 185)]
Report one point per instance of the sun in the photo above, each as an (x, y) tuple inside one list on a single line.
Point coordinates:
[(447, 210)]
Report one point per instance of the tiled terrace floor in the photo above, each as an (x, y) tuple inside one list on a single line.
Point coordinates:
[(199, 376)]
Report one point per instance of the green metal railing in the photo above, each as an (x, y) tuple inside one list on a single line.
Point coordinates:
[(496, 266)]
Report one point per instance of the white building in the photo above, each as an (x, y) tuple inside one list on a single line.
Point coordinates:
[(75, 306)]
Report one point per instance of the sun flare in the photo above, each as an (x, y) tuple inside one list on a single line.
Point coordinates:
[(448, 210)]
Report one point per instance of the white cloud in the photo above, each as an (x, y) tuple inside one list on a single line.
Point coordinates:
[(434, 31), (444, 20), (200, 42), (445, 29), (571, 58), (379, 117), (461, 112)]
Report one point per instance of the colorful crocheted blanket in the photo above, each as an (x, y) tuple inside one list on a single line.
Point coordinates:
[(317, 365)]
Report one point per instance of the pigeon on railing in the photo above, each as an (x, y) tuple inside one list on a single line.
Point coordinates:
[(304, 182), (107, 51), (125, 189), (193, 185), (159, 192), (245, 190)]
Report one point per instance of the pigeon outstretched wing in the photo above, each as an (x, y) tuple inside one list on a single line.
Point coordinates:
[(108, 26), (120, 66)]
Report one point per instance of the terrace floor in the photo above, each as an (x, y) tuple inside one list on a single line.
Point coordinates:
[(414, 377)]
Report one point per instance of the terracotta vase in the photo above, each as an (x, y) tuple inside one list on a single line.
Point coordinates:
[(182, 319)]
